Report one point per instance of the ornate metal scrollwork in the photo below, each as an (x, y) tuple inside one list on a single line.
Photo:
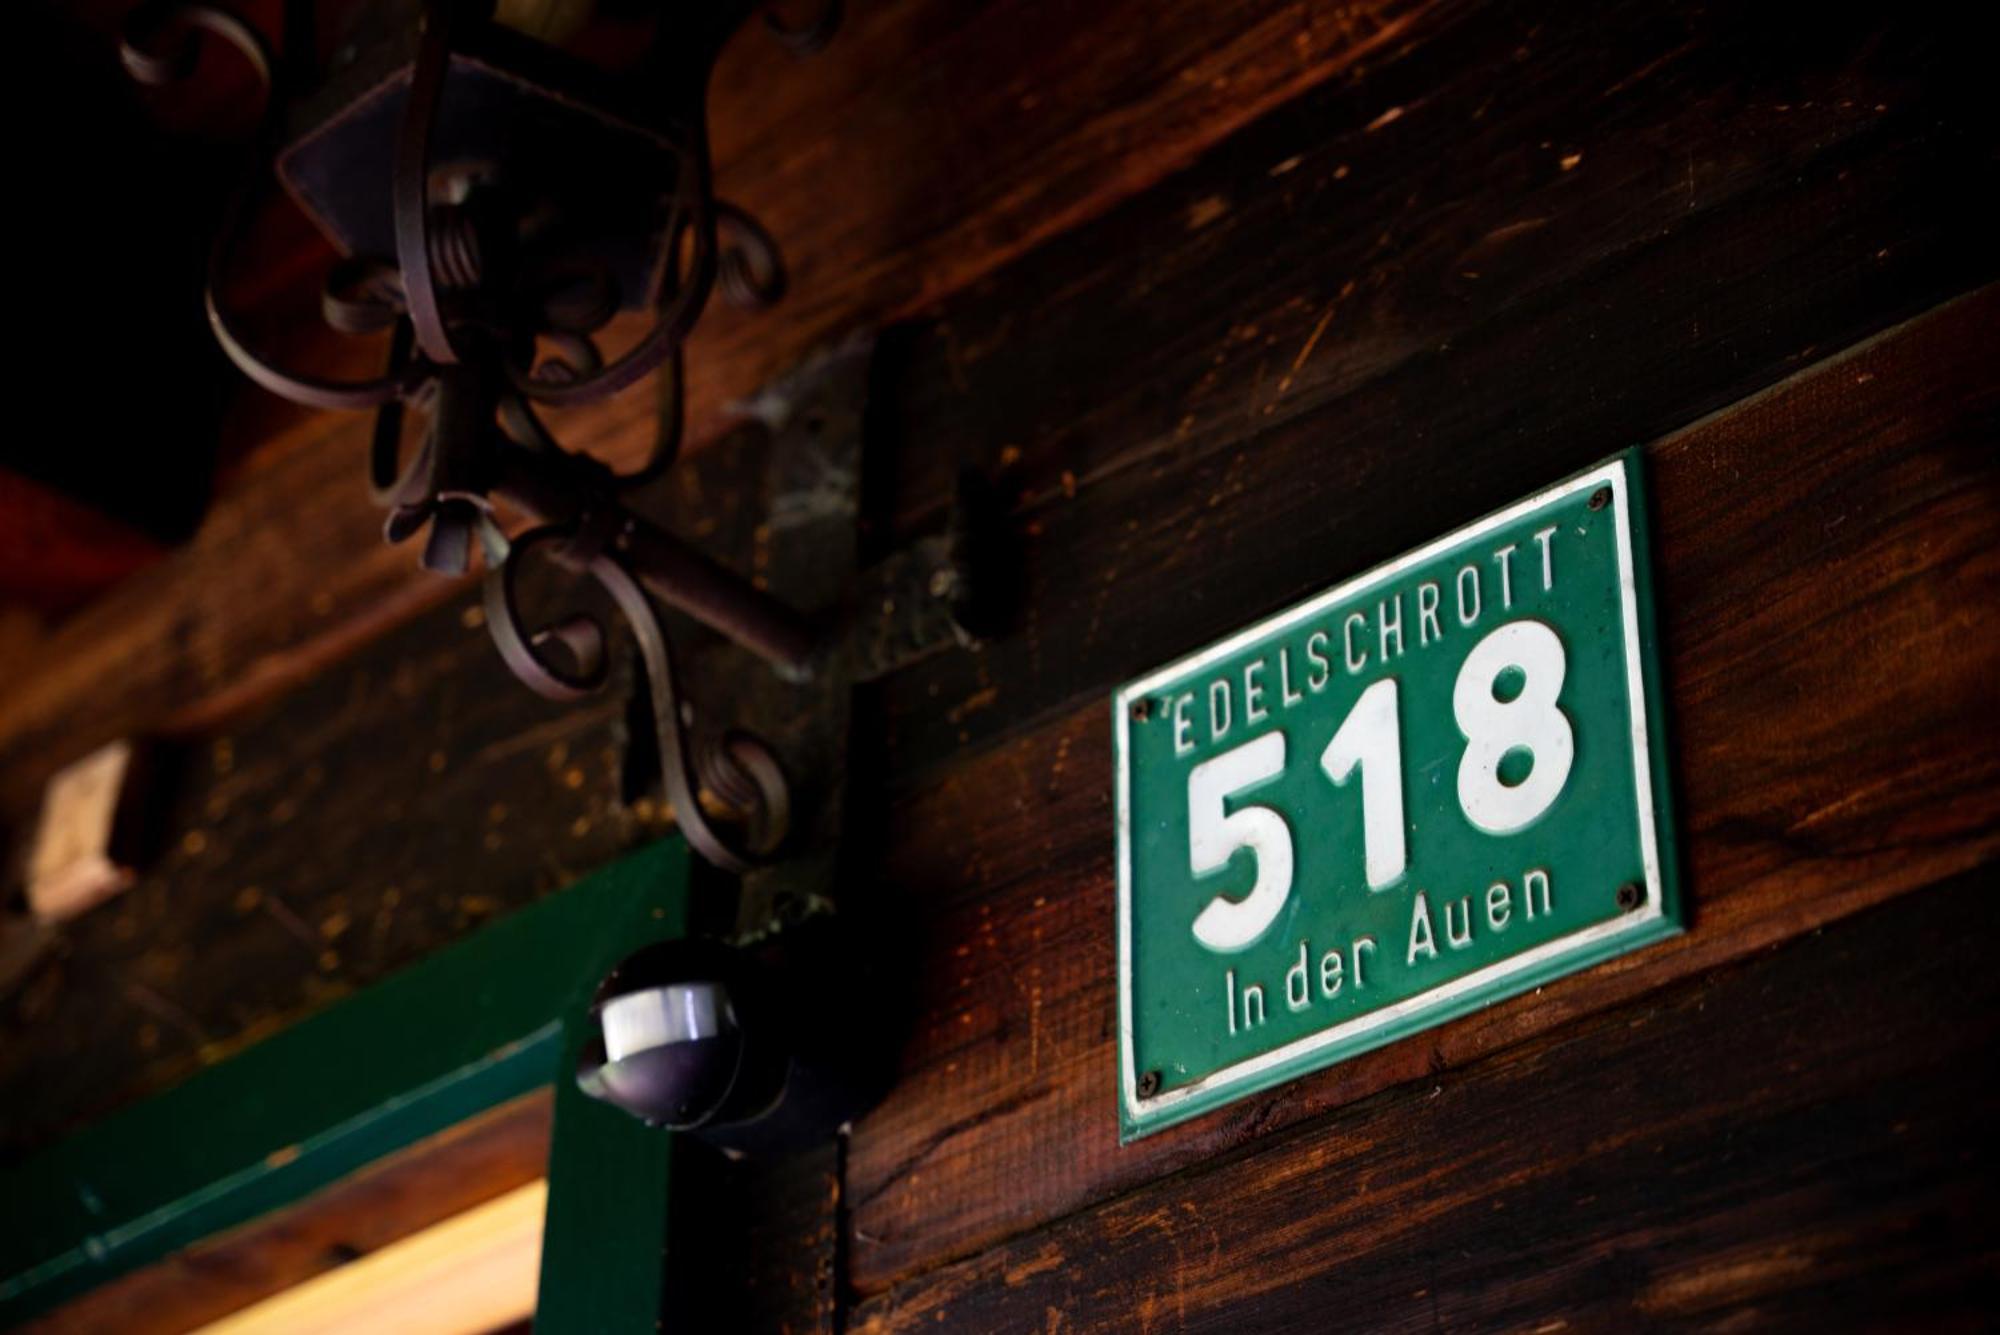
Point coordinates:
[(488, 321), (738, 769)]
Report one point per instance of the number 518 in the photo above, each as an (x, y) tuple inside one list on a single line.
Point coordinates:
[(1369, 741)]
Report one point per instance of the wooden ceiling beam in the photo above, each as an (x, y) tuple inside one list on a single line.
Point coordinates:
[(467, 1275), (460, 1169)]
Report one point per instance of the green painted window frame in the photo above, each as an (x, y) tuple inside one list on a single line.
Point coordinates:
[(483, 1021)]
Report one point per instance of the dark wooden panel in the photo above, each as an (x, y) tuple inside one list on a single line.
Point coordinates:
[(934, 140), (376, 814), (1172, 492), (762, 1243), (1241, 387), (1203, 420), (57, 552), (1828, 217), (1830, 607), (403, 1194), (937, 139), (1798, 1142)]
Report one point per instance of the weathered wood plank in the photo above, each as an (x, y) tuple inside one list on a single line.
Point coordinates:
[(1829, 218), (451, 1172), (932, 142), (763, 1245), (1332, 431), (376, 814), (1830, 611), (472, 1272), (1258, 383), (1800, 1141), (161, 643)]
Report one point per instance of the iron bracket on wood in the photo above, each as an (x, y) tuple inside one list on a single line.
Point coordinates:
[(773, 1026), (874, 619)]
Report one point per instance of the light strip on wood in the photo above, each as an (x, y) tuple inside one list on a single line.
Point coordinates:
[(471, 1273)]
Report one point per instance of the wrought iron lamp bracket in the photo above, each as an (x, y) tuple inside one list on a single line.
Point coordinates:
[(876, 618), (493, 312)]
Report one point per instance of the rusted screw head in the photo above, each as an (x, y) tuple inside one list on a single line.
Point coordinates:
[(1149, 1084), (1630, 896), (1600, 498), (1142, 709)]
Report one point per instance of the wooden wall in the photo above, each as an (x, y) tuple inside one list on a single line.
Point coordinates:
[(1231, 301)]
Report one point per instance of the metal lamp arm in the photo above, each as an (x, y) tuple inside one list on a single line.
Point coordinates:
[(742, 769), (562, 488)]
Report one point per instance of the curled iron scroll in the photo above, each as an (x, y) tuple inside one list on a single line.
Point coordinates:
[(813, 34), (411, 184), (739, 769), (159, 46), (682, 297), (484, 383)]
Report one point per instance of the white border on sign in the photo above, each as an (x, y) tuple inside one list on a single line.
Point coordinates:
[(1612, 474)]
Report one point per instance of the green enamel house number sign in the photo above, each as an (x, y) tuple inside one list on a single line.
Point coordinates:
[(1439, 784)]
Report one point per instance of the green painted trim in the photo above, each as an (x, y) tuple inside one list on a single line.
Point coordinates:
[(604, 1244), (469, 1028)]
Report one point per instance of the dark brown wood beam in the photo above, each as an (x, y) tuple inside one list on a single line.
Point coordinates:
[(1831, 617), (1796, 1142), (1339, 332), (436, 792), (1416, 321)]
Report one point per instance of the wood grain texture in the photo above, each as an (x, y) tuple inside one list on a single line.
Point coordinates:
[(57, 553), (1796, 1142), (1502, 244), (1183, 507), (1242, 386), (454, 1171), (467, 1275), (1830, 607), (932, 142), (382, 811), (1227, 419), (760, 1242)]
